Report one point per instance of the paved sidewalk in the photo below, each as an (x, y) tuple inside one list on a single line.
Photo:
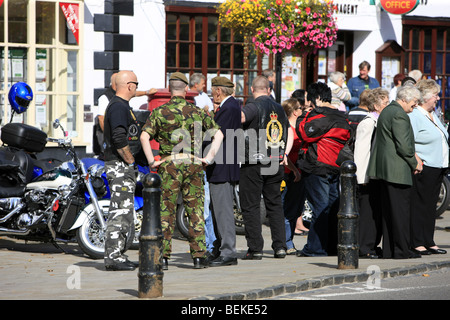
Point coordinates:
[(40, 271)]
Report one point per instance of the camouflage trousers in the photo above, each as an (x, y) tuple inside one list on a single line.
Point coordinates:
[(120, 224), (186, 178)]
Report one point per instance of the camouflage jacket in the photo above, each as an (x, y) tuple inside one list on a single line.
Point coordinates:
[(179, 127)]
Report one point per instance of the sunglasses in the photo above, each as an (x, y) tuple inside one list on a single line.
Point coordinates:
[(136, 83)]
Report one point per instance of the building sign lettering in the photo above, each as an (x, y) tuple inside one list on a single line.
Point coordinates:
[(344, 8), (399, 6)]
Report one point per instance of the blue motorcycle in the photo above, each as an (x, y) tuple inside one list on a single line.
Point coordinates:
[(90, 235)]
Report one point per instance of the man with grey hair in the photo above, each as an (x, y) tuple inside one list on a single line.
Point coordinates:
[(270, 75), (197, 83)]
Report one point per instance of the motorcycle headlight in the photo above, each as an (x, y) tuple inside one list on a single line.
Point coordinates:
[(99, 186), (68, 165)]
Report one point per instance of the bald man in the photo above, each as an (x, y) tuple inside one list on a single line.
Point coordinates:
[(121, 135)]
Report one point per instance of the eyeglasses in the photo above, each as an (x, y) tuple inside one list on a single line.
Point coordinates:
[(136, 83)]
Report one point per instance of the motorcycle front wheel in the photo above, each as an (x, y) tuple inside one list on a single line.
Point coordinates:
[(91, 237)]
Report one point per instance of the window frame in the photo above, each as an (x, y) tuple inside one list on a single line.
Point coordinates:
[(56, 69), (261, 61), (414, 46)]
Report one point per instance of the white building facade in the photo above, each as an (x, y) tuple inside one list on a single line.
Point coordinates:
[(67, 50)]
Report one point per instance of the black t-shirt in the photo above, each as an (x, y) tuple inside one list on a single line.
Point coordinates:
[(119, 115)]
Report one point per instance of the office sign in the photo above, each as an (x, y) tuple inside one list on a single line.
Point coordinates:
[(399, 6)]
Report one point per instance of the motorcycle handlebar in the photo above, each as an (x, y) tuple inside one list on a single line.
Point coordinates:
[(60, 141)]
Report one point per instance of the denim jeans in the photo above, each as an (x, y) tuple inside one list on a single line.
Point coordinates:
[(323, 193), (209, 228)]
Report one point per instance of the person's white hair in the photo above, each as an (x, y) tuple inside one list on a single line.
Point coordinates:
[(409, 93), (335, 76), (415, 74)]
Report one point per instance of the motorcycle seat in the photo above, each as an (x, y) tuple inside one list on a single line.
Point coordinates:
[(13, 191), (17, 164)]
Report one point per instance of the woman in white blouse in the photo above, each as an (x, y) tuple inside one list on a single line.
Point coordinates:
[(369, 189), (431, 143)]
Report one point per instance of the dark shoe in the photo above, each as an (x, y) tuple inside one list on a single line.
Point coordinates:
[(437, 251), (253, 255), (369, 256), (280, 254), (422, 252), (200, 263), (223, 261), (301, 254), (165, 264), (121, 266), (414, 255)]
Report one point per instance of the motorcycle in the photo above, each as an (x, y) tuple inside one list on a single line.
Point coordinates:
[(444, 196), (90, 235), (46, 208)]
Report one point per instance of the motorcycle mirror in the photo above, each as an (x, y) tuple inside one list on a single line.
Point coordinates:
[(56, 124)]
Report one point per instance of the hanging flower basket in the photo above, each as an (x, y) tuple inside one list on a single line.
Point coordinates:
[(302, 26)]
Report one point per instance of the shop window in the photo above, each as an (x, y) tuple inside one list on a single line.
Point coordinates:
[(195, 42), (427, 48), (43, 51)]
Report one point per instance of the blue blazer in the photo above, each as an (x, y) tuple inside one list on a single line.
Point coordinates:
[(226, 167)]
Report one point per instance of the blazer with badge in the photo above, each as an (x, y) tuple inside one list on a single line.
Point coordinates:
[(393, 157)]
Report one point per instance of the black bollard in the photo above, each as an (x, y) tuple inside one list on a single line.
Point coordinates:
[(150, 240), (348, 219)]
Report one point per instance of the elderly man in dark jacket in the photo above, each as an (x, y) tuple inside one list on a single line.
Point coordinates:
[(223, 173)]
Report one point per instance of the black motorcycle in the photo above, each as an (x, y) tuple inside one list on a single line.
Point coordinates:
[(43, 208)]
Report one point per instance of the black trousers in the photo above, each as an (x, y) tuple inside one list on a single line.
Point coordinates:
[(396, 212), (370, 231), (425, 194), (253, 182)]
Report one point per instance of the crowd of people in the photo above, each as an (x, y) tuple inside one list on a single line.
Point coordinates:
[(398, 143)]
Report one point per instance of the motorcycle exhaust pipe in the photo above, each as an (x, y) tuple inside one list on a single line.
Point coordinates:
[(13, 212), (13, 232)]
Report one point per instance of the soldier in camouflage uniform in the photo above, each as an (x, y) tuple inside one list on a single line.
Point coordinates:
[(178, 127), (121, 136)]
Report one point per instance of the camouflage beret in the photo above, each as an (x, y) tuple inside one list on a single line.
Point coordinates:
[(222, 82), (178, 76)]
